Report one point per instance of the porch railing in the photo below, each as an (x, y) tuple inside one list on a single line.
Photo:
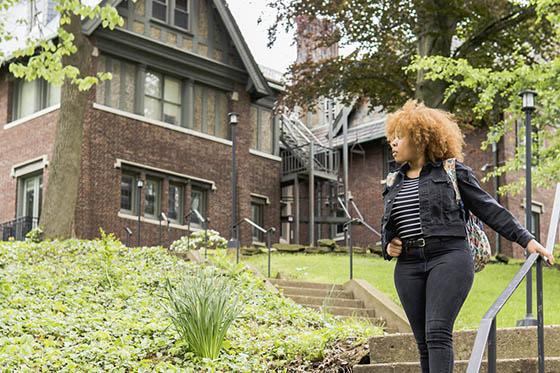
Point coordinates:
[(17, 229)]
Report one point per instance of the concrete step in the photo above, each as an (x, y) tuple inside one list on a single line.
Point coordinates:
[(329, 302), (305, 285), (378, 321), (344, 311), (511, 343), (523, 365), (289, 291)]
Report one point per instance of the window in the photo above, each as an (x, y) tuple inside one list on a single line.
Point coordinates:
[(175, 202), (152, 198), (159, 10), (129, 195), (257, 215), (263, 125), (389, 163), (163, 98), (120, 90), (32, 96), (536, 225), (210, 111), (176, 12), (198, 203), (30, 196), (181, 14)]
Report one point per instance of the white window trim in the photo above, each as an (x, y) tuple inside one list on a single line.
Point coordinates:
[(261, 196), (29, 166), (537, 207), (265, 155), (119, 163), (161, 124), (156, 222), (27, 118)]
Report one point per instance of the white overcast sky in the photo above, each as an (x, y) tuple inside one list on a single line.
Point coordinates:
[(246, 13)]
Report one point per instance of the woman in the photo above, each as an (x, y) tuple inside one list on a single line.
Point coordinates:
[(424, 227)]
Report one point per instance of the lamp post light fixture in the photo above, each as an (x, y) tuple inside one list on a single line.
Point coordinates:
[(528, 106), (139, 185), (234, 240), (528, 100)]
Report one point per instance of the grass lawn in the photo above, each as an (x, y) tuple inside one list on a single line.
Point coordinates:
[(488, 284)]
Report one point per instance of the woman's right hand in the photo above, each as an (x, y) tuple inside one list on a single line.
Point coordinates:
[(394, 248)]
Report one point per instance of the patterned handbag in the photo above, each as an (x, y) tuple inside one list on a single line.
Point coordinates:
[(478, 241)]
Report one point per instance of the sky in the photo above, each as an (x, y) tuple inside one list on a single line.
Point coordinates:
[(246, 13)]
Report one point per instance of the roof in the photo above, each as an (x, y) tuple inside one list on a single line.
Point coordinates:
[(257, 80), (365, 132)]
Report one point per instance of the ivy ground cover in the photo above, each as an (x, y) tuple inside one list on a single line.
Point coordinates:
[(98, 306)]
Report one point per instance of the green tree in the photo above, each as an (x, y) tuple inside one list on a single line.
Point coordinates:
[(468, 57), (64, 59)]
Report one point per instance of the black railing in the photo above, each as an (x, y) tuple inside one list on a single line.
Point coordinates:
[(296, 159), (17, 229), (486, 335)]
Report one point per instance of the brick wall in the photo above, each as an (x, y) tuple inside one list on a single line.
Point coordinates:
[(18, 144), (109, 136)]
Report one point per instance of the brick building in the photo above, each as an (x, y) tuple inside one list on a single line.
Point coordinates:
[(178, 68)]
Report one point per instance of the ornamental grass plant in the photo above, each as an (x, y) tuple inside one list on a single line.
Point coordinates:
[(202, 307)]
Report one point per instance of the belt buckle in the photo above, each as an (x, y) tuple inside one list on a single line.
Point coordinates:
[(422, 242)]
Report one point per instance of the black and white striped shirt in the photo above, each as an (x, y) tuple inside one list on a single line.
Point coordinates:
[(406, 210)]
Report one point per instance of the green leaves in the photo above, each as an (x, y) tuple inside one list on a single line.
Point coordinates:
[(96, 306), (202, 308), (42, 57)]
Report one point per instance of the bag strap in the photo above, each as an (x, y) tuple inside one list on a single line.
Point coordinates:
[(449, 166)]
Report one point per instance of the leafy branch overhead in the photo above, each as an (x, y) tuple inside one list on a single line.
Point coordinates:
[(468, 57), (41, 55)]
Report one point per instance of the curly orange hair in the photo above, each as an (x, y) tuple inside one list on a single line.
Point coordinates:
[(434, 130)]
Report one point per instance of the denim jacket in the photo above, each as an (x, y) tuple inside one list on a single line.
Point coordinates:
[(440, 215)]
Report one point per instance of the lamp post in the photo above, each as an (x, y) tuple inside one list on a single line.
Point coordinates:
[(234, 240), (139, 185), (528, 107)]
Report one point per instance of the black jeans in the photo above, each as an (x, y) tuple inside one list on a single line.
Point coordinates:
[(433, 282)]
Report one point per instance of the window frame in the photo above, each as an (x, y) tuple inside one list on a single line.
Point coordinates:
[(43, 91), (180, 213), (259, 122), (38, 186), (169, 21), (134, 195), (157, 199), (260, 204), (162, 101), (198, 188)]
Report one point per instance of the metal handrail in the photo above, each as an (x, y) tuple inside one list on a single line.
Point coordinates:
[(362, 221), (486, 334), (268, 233)]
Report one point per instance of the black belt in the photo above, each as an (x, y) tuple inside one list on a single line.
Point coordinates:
[(421, 242), (413, 243)]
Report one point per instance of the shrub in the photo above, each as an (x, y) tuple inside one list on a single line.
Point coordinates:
[(35, 235), (202, 308), (197, 241)]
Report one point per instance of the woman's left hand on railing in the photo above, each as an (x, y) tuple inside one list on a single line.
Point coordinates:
[(535, 247)]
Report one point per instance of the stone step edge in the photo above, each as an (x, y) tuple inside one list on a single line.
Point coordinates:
[(325, 299), (306, 284), (294, 290), (457, 362)]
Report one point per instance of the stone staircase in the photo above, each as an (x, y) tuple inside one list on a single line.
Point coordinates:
[(516, 349), (331, 298)]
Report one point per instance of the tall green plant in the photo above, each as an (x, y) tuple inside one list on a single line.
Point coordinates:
[(202, 308)]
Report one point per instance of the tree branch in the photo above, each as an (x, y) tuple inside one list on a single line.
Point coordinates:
[(493, 28)]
